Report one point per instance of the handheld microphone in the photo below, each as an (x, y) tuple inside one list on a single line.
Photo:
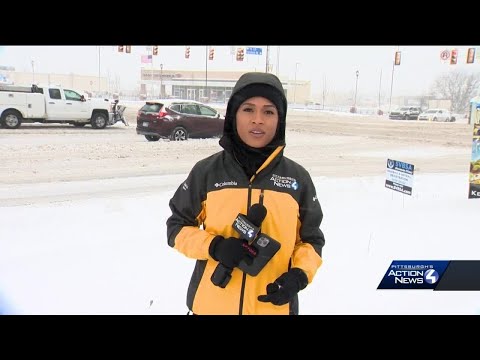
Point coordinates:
[(260, 247), (248, 228)]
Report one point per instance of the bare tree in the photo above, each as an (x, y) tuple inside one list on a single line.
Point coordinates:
[(458, 87)]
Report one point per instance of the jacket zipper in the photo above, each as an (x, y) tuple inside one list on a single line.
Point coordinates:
[(249, 202), (244, 277)]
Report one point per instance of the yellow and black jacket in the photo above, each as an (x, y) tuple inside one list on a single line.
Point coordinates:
[(207, 203)]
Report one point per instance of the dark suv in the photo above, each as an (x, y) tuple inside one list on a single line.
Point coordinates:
[(176, 119), (406, 113)]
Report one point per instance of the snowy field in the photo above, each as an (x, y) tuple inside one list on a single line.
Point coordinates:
[(83, 217)]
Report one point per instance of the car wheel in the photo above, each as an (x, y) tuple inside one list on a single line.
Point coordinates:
[(452, 119), (99, 120), (434, 119), (179, 134), (152, 137), (405, 117), (11, 119)]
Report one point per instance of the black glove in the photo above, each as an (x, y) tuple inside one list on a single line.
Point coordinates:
[(285, 287), (229, 252)]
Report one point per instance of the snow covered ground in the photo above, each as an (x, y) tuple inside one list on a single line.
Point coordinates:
[(97, 252)]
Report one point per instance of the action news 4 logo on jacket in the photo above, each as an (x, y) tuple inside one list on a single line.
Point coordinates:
[(460, 275)]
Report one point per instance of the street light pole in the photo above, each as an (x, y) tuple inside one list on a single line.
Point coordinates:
[(278, 60), (295, 85), (161, 81), (391, 88), (379, 92), (267, 59), (324, 85), (152, 87), (99, 69), (391, 83), (33, 72), (206, 71), (356, 87)]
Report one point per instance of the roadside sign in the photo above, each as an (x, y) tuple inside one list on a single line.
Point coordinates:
[(399, 176), (445, 55), (254, 51)]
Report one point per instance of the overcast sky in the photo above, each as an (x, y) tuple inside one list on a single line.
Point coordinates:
[(335, 66)]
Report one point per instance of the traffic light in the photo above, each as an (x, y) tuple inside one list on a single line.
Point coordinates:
[(211, 54), (128, 49), (155, 50), (120, 48), (398, 56), (453, 56), (471, 56), (187, 52), (240, 54)]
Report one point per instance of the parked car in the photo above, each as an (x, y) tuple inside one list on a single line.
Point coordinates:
[(436, 115), (406, 113), (178, 119)]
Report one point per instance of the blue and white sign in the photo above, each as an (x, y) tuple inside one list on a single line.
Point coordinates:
[(254, 51), (399, 176)]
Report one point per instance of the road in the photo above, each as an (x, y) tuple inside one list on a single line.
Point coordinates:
[(326, 144)]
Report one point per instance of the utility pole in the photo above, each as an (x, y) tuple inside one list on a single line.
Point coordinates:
[(391, 84), (99, 70), (295, 85), (109, 87), (161, 81), (391, 87), (356, 87), (151, 72), (206, 70), (278, 60), (324, 90), (267, 60), (379, 91), (33, 72)]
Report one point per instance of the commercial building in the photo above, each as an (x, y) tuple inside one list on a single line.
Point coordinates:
[(93, 84), (211, 86)]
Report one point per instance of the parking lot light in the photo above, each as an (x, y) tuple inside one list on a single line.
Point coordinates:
[(356, 87)]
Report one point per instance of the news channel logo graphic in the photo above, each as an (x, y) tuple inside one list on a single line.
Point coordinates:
[(413, 274)]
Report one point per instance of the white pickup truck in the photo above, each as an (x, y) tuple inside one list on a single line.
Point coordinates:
[(51, 104)]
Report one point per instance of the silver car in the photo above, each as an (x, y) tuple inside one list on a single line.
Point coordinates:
[(436, 115)]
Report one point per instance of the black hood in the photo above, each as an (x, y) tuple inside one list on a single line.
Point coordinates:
[(250, 85), (257, 84)]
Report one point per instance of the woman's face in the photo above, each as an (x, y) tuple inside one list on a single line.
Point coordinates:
[(257, 120)]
